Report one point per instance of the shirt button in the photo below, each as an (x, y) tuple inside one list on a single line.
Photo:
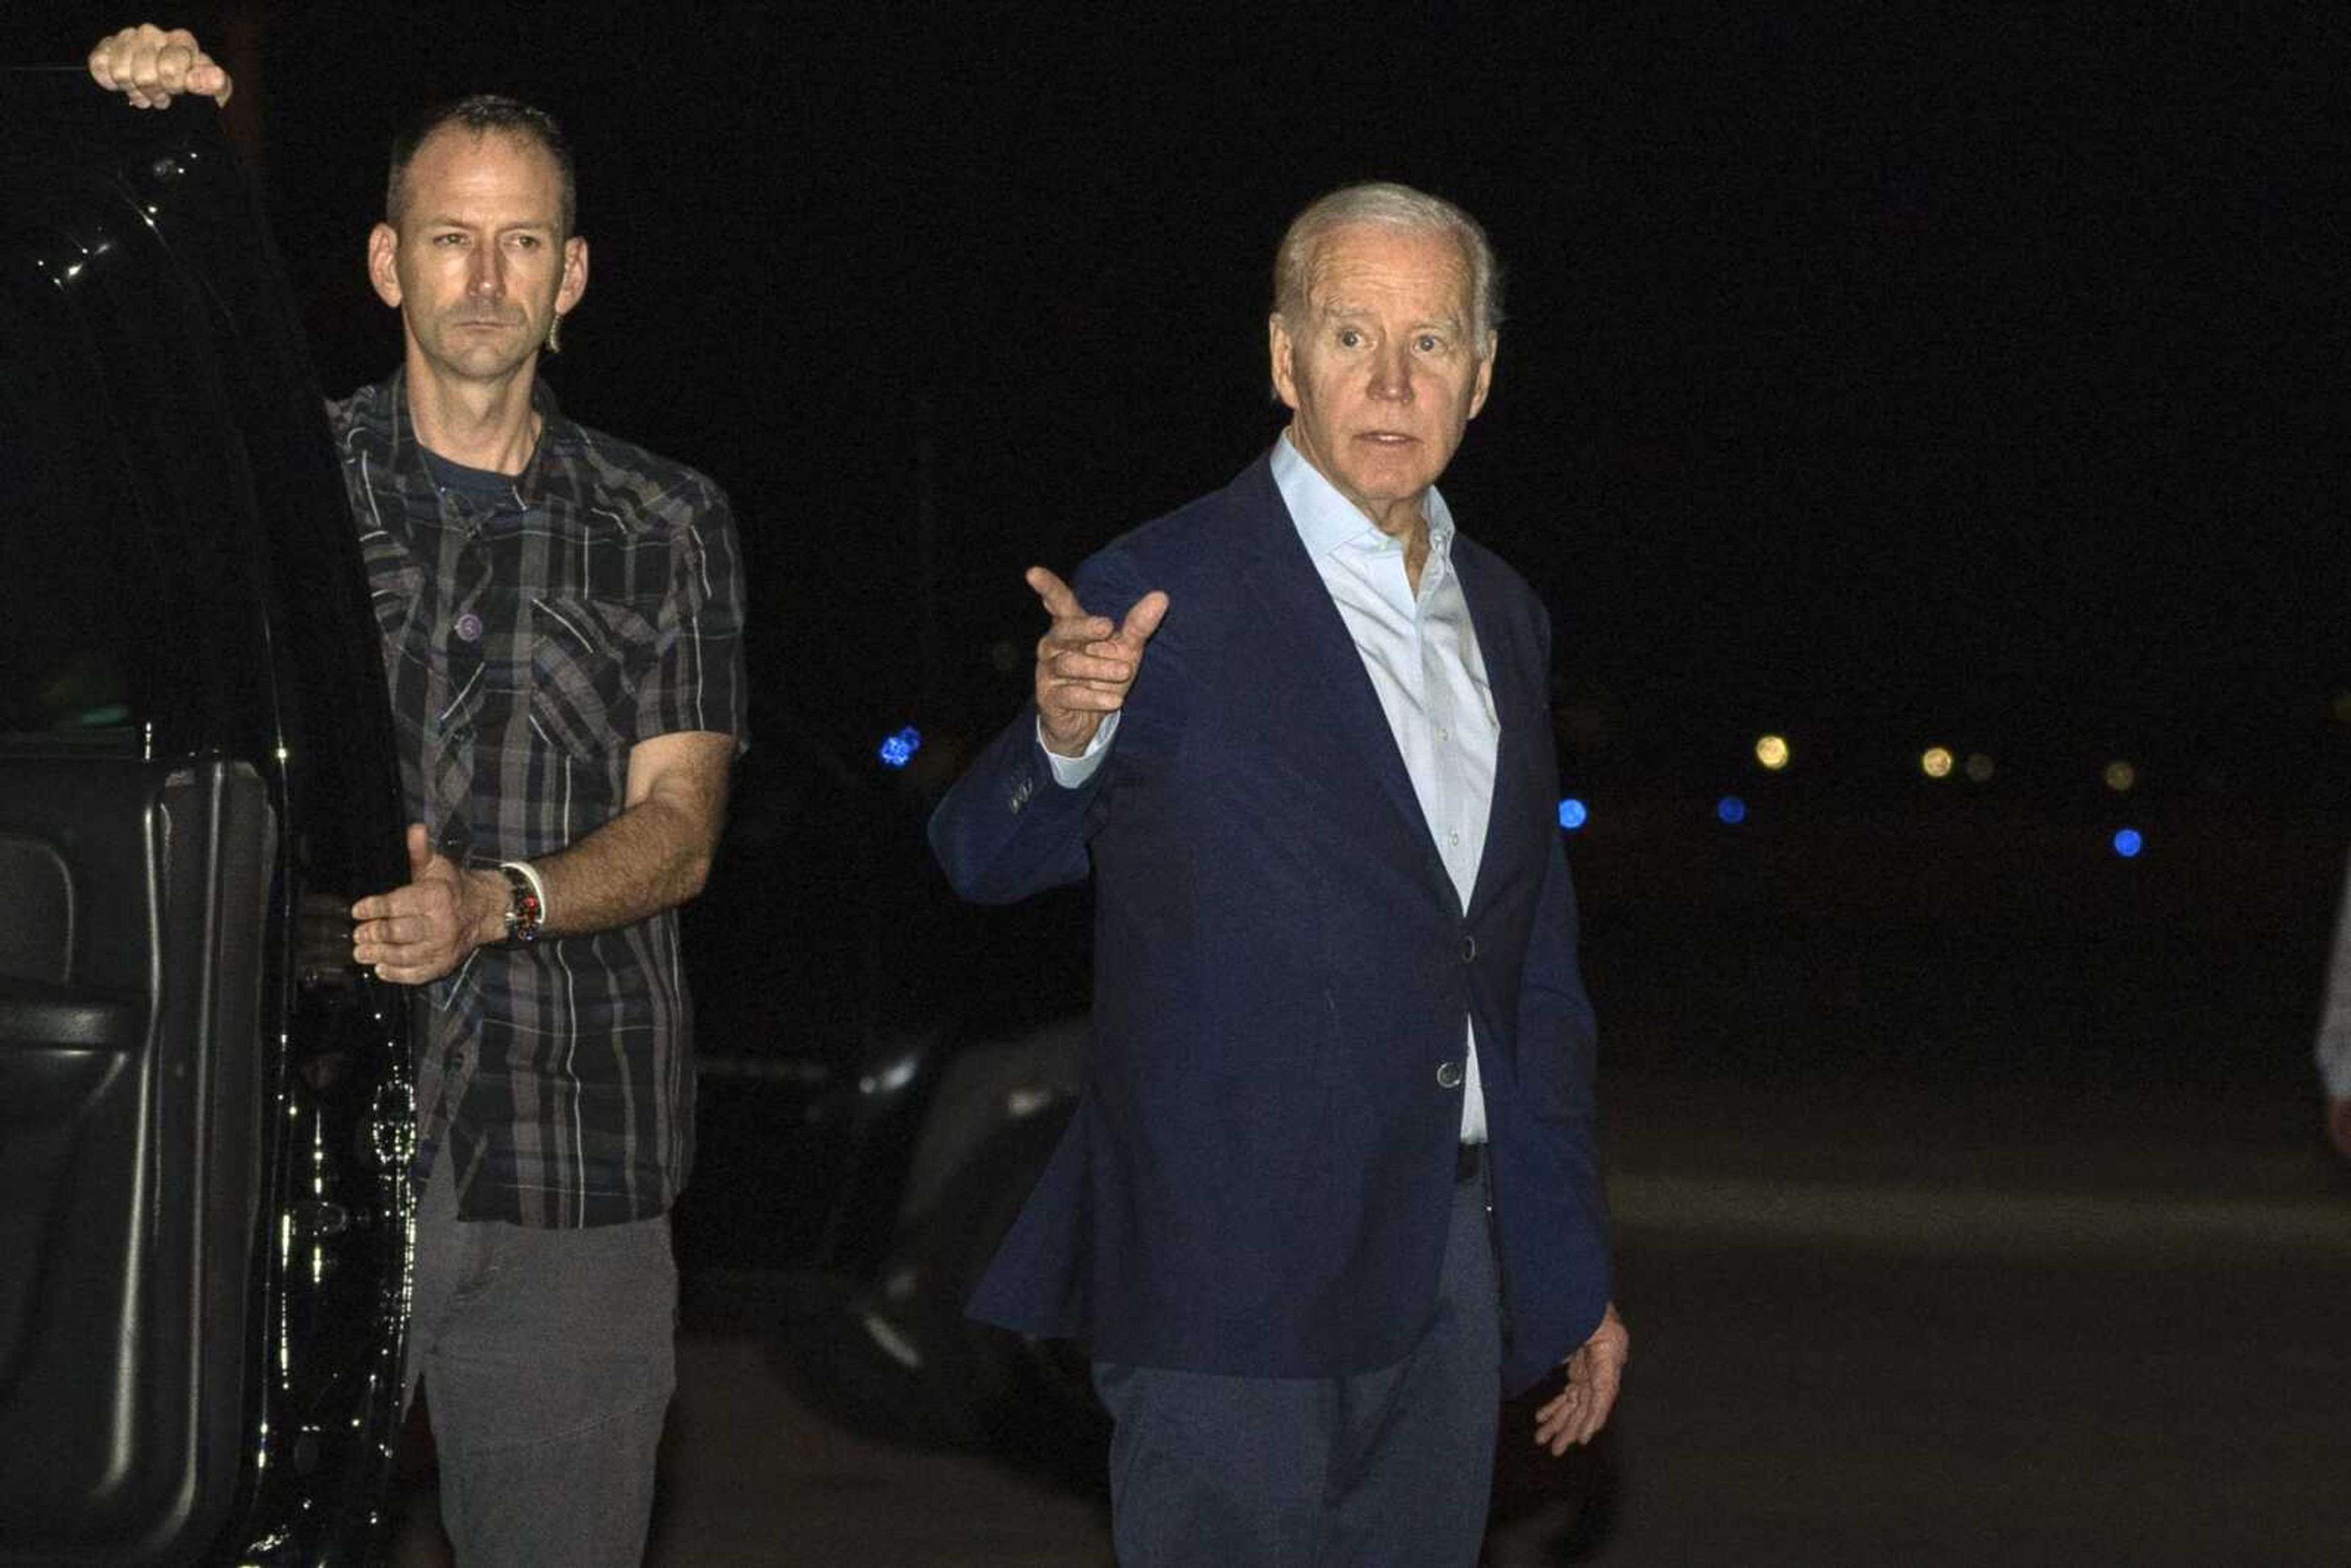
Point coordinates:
[(1449, 1075), (1469, 949), (469, 627)]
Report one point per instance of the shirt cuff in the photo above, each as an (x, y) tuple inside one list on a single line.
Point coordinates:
[(1070, 772)]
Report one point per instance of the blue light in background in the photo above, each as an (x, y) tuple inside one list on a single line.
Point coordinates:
[(1731, 809), (2128, 843), (1572, 814), (899, 749)]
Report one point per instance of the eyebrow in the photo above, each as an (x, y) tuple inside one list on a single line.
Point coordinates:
[(450, 221), (1338, 310)]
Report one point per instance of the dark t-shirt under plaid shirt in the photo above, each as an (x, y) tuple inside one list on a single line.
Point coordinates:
[(530, 638)]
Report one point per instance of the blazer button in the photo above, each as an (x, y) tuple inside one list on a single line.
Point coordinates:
[(1449, 1075), (1469, 949)]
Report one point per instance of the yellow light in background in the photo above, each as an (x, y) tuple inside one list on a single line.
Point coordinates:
[(1978, 768), (2342, 707), (1771, 751), (1935, 762), (2120, 776)]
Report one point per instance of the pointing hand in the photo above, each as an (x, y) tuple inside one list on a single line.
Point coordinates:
[(1085, 666)]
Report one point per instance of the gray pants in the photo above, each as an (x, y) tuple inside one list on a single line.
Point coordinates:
[(1390, 1467), (548, 1358)]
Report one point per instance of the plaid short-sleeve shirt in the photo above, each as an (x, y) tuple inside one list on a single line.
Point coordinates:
[(530, 641)]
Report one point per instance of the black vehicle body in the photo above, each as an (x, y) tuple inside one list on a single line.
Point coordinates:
[(203, 1122)]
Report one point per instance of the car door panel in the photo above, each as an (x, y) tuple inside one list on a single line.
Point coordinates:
[(129, 1090)]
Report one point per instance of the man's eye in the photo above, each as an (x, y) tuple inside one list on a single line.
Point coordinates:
[(1350, 339), (526, 242), (448, 239), (1430, 342)]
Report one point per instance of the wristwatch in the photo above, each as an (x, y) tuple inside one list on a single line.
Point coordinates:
[(525, 909)]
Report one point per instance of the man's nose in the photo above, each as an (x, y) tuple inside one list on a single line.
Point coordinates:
[(1392, 373), (487, 276)]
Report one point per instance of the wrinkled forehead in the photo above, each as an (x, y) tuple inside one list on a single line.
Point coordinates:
[(1357, 265), (459, 158)]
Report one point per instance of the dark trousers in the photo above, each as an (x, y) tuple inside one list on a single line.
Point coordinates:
[(1392, 1466), (548, 1358)]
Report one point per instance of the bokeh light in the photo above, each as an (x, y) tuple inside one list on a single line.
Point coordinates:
[(2120, 777), (1731, 809), (1771, 751), (1572, 814), (1978, 768), (899, 749), (1935, 762), (2127, 842)]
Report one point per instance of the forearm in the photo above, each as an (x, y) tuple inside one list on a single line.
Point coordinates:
[(1006, 828), (646, 860), (654, 855)]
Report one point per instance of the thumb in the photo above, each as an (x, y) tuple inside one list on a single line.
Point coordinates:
[(1144, 619), (419, 850)]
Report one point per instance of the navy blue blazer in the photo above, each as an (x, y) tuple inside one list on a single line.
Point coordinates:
[(1259, 1173)]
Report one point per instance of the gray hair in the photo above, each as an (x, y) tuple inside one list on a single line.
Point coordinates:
[(1398, 206)]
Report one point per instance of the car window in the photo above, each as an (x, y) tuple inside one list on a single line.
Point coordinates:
[(76, 592)]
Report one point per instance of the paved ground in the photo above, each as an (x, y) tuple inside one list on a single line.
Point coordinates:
[(1905, 1326)]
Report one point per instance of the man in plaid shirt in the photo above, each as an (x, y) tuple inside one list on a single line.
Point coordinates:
[(561, 622)]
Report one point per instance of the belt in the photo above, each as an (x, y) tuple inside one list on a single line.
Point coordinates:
[(1468, 1162)]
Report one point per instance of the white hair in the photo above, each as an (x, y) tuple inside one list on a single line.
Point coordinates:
[(1398, 206)]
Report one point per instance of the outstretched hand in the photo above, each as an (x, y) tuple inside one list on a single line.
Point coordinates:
[(1577, 1412), (422, 931), (1084, 664), (150, 67)]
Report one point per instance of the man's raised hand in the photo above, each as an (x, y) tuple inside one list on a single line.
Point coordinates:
[(150, 67), (1084, 664)]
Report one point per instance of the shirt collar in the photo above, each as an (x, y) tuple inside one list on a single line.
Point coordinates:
[(394, 431), (1327, 520)]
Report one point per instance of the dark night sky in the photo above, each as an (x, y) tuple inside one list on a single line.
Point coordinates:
[(1883, 375)]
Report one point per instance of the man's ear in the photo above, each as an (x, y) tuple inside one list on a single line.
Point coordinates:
[(383, 263), (575, 274), (1485, 374), (1283, 354)]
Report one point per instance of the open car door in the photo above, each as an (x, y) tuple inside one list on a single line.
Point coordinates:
[(204, 1109)]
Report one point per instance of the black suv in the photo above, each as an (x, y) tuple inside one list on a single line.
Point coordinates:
[(202, 1118)]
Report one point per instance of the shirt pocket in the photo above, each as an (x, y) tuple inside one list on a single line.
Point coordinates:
[(586, 658)]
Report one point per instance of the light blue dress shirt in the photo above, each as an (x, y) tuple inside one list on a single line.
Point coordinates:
[(1421, 653)]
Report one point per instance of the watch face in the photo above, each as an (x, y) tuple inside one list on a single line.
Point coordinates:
[(523, 909)]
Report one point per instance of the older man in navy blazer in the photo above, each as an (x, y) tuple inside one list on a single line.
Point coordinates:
[(1331, 1191)]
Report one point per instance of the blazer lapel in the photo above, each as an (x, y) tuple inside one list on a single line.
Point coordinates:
[(1304, 630), (1519, 710)]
